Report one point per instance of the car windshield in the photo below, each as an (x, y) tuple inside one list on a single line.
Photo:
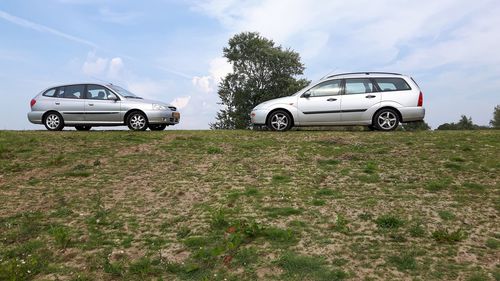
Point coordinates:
[(124, 93)]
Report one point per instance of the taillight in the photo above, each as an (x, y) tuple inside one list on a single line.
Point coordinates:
[(420, 99), (32, 103)]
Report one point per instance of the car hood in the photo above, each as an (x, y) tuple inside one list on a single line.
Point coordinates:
[(146, 101), (275, 101)]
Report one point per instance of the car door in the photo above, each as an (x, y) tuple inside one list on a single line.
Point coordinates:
[(102, 105), (70, 103), (359, 95), (320, 105)]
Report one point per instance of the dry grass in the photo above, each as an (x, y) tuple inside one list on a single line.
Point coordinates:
[(242, 205)]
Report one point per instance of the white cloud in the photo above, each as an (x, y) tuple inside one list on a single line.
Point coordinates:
[(103, 68), (218, 69), (115, 68), (181, 102)]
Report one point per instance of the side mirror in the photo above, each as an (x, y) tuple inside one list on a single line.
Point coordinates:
[(306, 95), (113, 97)]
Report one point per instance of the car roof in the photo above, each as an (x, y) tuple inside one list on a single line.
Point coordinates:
[(365, 75)]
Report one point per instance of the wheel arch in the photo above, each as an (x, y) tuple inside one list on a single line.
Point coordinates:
[(51, 111), (400, 116), (278, 109), (127, 114)]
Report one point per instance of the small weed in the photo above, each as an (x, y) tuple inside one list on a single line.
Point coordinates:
[(341, 225), (61, 235), (370, 178), (219, 219), (308, 268), (318, 202), (328, 192), (493, 243), (370, 168), (446, 215), (246, 256), (57, 161), (143, 267), (365, 216), (453, 166), (444, 236), (417, 230), (214, 150), (183, 232), (478, 276), (389, 222), (280, 179), (438, 185), (328, 163), (404, 261), (281, 236)]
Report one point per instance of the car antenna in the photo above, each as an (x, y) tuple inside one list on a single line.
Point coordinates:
[(329, 73), (104, 81)]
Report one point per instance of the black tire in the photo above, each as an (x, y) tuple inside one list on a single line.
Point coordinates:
[(386, 120), (83, 128), (371, 128), (53, 121), (137, 121), (279, 120), (157, 127)]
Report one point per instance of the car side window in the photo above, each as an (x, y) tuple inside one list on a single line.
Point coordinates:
[(72, 92), (96, 92), (50, 93), (359, 86), (328, 88), (392, 84)]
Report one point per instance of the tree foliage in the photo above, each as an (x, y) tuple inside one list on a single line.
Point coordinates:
[(465, 123), (261, 71), (495, 122)]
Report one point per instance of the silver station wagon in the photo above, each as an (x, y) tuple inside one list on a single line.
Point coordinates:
[(84, 106), (375, 99)]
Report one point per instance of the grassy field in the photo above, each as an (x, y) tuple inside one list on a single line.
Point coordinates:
[(244, 205)]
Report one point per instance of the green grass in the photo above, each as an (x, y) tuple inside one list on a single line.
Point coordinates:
[(246, 205)]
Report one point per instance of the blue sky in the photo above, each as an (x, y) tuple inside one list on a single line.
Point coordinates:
[(171, 50)]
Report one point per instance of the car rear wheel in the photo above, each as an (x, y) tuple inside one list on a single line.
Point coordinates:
[(157, 127), (279, 120), (386, 120), (83, 128), (53, 122), (137, 121)]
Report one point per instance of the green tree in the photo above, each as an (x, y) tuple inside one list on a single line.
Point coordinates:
[(416, 126), (261, 71), (495, 122), (465, 123)]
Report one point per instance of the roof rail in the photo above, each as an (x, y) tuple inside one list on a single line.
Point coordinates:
[(366, 73)]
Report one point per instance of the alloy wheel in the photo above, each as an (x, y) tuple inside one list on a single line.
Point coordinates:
[(387, 120), (53, 121), (279, 121)]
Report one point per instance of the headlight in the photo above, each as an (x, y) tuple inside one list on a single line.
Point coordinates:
[(159, 107)]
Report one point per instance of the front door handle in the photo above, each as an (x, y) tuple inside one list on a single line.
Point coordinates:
[(91, 104), (331, 99), (370, 96), (58, 103)]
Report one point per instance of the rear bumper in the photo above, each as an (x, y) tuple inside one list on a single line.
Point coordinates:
[(411, 114), (163, 117), (35, 117)]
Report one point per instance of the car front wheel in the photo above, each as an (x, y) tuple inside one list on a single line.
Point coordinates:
[(279, 120), (53, 122), (157, 127), (137, 121), (386, 120)]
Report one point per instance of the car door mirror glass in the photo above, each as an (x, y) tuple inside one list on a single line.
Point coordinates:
[(306, 94)]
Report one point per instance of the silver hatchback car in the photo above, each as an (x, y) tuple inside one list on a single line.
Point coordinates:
[(86, 105), (375, 99)]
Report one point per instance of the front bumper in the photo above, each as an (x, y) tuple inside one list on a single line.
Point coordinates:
[(259, 116), (411, 114), (163, 117)]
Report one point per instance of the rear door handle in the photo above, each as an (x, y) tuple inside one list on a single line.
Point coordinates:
[(331, 99), (91, 104), (370, 96), (58, 103)]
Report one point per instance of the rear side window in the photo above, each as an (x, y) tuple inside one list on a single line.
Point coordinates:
[(71, 92), (392, 84), (50, 93), (359, 86)]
